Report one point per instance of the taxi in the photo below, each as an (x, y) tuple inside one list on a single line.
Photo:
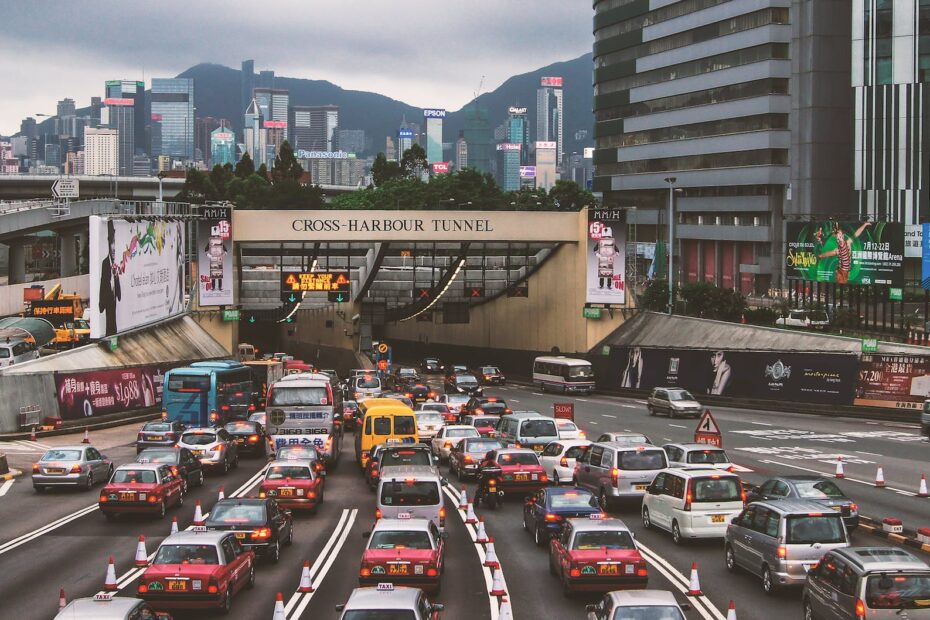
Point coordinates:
[(295, 484), (147, 488), (197, 570), (486, 424), (385, 600), (106, 606), (597, 555), (521, 471), (545, 512), (403, 551)]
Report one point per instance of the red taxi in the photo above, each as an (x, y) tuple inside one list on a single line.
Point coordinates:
[(197, 570), (597, 555), (148, 488), (295, 484), (486, 424), (403, 551), (521, 471)]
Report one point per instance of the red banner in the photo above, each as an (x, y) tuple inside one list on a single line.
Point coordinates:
[(893, 381), (565, 411), (98, 392)]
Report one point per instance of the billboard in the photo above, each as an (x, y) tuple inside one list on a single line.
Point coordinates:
[(55, 311), (913, 240), (118, 101), (845, 252), (433, 113), (589, 152), (302, 154), (214, 257), (925, 257), (136, 273), (606, 265), (546, 145), (516, 110), (508, 146), (893, 381), (86, 394), (315, 281), (275, 125), (551, 81), (441, 167), (527, 172), (405, 133), (826, 378)]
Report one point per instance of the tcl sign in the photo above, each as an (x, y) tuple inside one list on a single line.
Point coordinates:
[(441, 167)]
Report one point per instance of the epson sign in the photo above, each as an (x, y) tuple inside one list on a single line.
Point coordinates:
[(433, 113)]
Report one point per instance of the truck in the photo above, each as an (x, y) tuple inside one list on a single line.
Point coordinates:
[(65, 311), (264, 374)]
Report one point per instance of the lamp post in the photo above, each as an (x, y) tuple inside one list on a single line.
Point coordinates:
[(671, 231)]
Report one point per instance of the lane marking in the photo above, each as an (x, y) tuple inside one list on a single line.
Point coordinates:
[(761, 423), (514, 400), (6, 487), (868, 483), (701, 603), (678, 426), (537, 393), (582, 400), (318, 562), (321, 575), (864, 452), (627, 406), (594, 423), (605, 415), (45, 529)]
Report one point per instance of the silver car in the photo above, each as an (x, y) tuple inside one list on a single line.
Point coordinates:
[(627, 438), (673, 402), (109, 607), (428, 424), (214, 447), (79, 466), (638, 604), (400, 601)]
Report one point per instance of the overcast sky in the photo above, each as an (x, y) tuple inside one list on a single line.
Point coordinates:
[(427, 54)]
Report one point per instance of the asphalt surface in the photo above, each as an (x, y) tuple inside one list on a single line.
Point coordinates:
[(37, 558)]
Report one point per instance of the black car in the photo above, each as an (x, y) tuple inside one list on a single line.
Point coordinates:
[(451, 370), (430, 366), (250, 437), (808, 487), (158, 434), (485, 405), (188, 466), (490, 375), (259, 523), (403, 377), (418, 392), (351, 415), (463, 384)]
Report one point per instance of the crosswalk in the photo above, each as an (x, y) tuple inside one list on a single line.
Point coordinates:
[(23, 447)]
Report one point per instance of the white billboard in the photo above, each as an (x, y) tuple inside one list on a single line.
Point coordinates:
[(136, 273), (606, 273), (913, 240), (214, 251)]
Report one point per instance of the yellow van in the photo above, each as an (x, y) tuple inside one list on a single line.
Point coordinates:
[(384, 420)]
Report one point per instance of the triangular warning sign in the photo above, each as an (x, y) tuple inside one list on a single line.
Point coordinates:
[(291, 280), (707, 424), (341, 280)]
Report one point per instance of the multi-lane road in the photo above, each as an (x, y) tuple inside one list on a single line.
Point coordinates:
[(59, 540)]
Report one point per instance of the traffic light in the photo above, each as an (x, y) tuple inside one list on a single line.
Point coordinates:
[(518, 290), (339, 297)]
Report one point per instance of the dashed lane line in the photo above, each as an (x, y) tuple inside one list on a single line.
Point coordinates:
[(297, 597), (6, 487), (701, 603), (678, 426)]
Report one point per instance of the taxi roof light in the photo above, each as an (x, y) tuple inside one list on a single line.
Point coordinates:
[(385, 587)]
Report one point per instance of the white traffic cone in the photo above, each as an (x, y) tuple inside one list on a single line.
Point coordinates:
[(839, 467), (694, 587), (86, 437), (490, 556), (505, 612), (880, 477), (922, 492), (279, 608), (32, 435), (463, 499), (305, 584), (470, 514), (731, 612), (174, 525), (62, 601), (497, 585), (482, 535), (198, 514), (109, 583), (221, 496), (142, 557)]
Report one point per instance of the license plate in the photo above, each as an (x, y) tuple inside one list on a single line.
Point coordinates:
[(240, 440), (54, 470), (807, 567), (240, 535), (397, 569), (176, 585), (155, 438), (197, 452), (641, 487), (521, 477), (538, 447), (717, 518), (286, 493), (837, 508), (127, 497), (608, 569)]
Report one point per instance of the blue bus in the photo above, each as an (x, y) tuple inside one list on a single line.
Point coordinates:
[(208, 393)]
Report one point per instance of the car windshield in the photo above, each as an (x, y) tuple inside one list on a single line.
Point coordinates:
[(898, 591), (462, 432), (466, 380), (484, 421), (495, 408), (647, 459), (517, 458), (280, 472), (380, 614), (818, 315), (573, 499), (410, 493), (405, 457), (647, 612), (709, 457), (577, 372), (538, 428), (424, 417), (574, 452), (290, 396), (140, 476), (186, 554), (297, 452), (482, 447), (612, 539), (367, 383), (717, 490), (814, 528), (410, 372), (161, 427), (679, 395), (62, 455), (158, 456), (240, 426), (819, 489), (400, 540), (490, 370), (198, 439), (248, 514), (438, 407)]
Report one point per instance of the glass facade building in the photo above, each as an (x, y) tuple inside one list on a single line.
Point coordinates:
[(478, 137), (133, 90), (434, 118), (173, 100), (222, 146)]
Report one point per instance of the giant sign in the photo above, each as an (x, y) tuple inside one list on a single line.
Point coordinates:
[(925, 257), (509, 146), (86, 394), (555, 82), (214, 251), (845, 252), (433, 113), (893, 381), (303, 154), (136, 273), (606, 264)]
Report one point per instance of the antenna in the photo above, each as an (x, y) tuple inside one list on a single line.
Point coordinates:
[(480, 84)]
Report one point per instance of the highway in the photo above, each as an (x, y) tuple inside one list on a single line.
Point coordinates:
[(59, 540)]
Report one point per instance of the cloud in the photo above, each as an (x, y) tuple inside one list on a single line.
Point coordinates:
[(426, 54)]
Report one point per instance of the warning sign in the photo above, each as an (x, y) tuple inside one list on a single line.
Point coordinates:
[(708, 431), (317, 281), (383, 347), (565, 411)]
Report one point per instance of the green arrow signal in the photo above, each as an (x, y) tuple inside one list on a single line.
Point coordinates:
[(339, 297), (292, 299), (252, 319), (290, 319)]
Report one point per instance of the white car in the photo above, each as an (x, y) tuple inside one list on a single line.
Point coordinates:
[(568, 429), (692, 502), (449, 436), (558, 459), (697, 454), (428, 424), (455, 401), (814, 319)]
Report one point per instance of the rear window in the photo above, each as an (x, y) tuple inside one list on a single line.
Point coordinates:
[(482, 447), (716, 490), (368, 383), (410, 493), (440, 407), (157, 426), (247, 514), (290, 396), (462, 432), (429, 418), (567, 426), (517, 458), (280, 472), (380, 614), (823, 489), (647, 459), (574, 452), (405, 425), (158, 456), (405, 457), (573, 499), (810, 529), (495, 408), (400, 540), (198, 439), (297, 452), (708, 457), (186, 554), (612, 539), (898, 591), (647, 612), (538, 428), (242, 426), (4, 352), (139, 476), (484, 421), (62, 455)]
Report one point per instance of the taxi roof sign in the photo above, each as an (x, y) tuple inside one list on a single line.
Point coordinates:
[(385, 587), (199, 528), (596, 516), (104, 597), (404, 515)]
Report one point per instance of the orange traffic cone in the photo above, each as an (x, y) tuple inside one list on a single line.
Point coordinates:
[(839, 467), (497, 585), (86, 436), (490, 556), (506, 613), (482, 535), (279, 608), (694, 587), (731, 612), (880, 477), (221, 496), (142, 557), (174, 525), (32, 434), (470, 514), (463, 499), (305, 584), (198, 514), (109, 583), (62, 601), (922, 492)]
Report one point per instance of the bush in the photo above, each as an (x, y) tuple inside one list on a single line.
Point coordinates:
[(762, 316), (655, 297)]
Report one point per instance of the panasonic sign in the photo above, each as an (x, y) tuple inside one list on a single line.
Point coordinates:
[(434, 113)]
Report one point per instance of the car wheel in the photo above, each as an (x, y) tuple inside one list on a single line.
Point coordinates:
[(290, 536), (539, 537), (235, 462), (604, 501), (90, 482), (225, 466), (650, 410), (555, 478), (671, 413), (274, 553), (566, 589), (453, 472), (181, 499), (184, 487), (200, 478), (768, 581), (251, 582), (730, 559), (162, 509), (38, 487), (676, 533), (647, 520), (526, 523), (808, 610), (227, 603)]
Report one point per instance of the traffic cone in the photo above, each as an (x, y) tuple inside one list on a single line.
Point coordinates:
[(497, 585), (482, 535), (221, 496), (470, 514), (880, 477), (142, 557), (463, 499), (694, 587), (174, 525), (305, 585), (279, 608), (922, 492), (490, 556), (198, 514), (839, 467), (86, 436), (62, 601), (32, 434), (109, 583), (506, 613), (731, 612)]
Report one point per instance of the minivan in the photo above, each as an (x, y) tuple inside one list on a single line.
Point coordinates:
[(384, 420), (692, 502), (614, 471), (527, 429), (364, 386), (411, 492), (16, 351), (781, 540)]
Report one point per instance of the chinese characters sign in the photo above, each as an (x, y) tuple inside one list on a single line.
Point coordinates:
[(845, 252), (319, 281), (87, 394)]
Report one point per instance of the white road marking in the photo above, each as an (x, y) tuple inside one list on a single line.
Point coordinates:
[(329, 563), (870, 483), (20, 447), (514, 400), (864, 452), (666, 439), (297, 596), (641, 402), (6, 487), (607, 415), (594, 423), (582, 400), (537, 393), (762, 424), (681, 583), (45, 529), (678, 426)]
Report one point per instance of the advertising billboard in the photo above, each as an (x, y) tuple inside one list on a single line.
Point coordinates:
[(214, 256), (86, 394), (913, 240), (303, 154), (136, 273), (275, 125), (441, 167), (551, 81), (516, 110), (606, 265), (405, 133), (893, 381), (527, 172), (845, 252), (509, 146), (118, 101), (433, 113), (546, 145), (925, 257)]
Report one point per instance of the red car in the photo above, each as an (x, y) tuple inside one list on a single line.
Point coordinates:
[(147, 488), (486, 424), (521, 472), (597, 555), (197, 570), (403, 551), (294, 484)]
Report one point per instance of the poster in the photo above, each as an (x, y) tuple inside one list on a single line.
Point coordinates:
[(87, 394), (925, 258), (214, 252), (893, 381), (913, 240), (845, 252), (136, 273), (606, 265)]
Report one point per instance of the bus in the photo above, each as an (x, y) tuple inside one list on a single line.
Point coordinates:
[(563, 374), (208, 393), (301, 411)]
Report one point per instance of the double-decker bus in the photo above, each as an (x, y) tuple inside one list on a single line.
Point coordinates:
[(208, 393)]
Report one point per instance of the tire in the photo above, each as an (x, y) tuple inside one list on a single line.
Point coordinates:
[(227, 603), (730, 559), (180, 500), (162, 509), (290, 536), (251, 582), (90, 481), (808, 610), (647, 520), (671, 413), (566, 590), (225, 466), (651, 410), (555, 478), (184, 486), (676, 533), (539, 537), (604, 501), (526, 523), (200, 478), (235, 462), (274, 553), (768, 582), (454, 472)]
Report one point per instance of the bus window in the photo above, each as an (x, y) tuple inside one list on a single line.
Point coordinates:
[(382, 426)]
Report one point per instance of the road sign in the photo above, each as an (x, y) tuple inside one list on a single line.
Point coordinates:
[(66, 188), (518, 290), (564, 411), (895, 294), (423, 293), (383, 347), (339, 297), (475, 292), (382, 364), (230, 315), (870, 345), (290, 297), (591, 313), (708, 431), (315, 282)]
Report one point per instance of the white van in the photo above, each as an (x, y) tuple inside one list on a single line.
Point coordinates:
[(16, 351), (411, 491), (365, 386), (692, 502)]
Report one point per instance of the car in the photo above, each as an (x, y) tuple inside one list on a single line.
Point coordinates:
[(250, 437), (545, 512), (463, 384), (692, 502), (454, 369), (403, 551), (466, 455), (106, 606), (197, 569), (568, 429), (486, 424), (628, 438), (447, 437), (637, 604), (351, 415), (521, 472), (807, 319), (485, 405), (867, 582), (365, 386), (673, 402), (441, 408), (303, 453), (430, 366), (259, 416), (182, 461), (490, 375), (259, 524), (141, 488), (295, 485), (403, 376), (399, 602), (418, 392), (428, 424), (701, 454), (596, 554), (80, 466), (411, 490), (616, 471), (527, 429), (396, 396), (215, 447), (158, 434), (392, 455), (17, 351), (809, 487), (558, 458)]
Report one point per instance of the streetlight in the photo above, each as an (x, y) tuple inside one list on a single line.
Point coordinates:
[(671, 208)]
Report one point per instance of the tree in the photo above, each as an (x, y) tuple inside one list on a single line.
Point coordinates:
[(220, 176), (413, 163), (707, 300), (383, 170), (198, 188), (569, 195), (655, 297), (246, 167), (262, 171), (286, 167)]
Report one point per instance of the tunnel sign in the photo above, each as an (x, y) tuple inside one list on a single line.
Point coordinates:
[(708, 431), (66, 188), (317, 281)]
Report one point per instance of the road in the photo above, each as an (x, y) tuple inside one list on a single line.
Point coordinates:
[(73, 555)]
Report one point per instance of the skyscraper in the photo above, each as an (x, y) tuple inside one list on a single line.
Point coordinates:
[(549, 113), (66, 107), (273, 103), (513, 151), (434, 134), (314, 127), (135, 92), (8, 163), (246, 84), (546, 167), (350, 140), (390, 150), (204, 130), (478, 136), (461, 152), (404, 140), (222, 146), (173, 100), (100, 151), (265, 79), (119, 114), (253, 133)]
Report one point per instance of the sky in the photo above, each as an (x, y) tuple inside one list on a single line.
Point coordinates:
[(425, 54)]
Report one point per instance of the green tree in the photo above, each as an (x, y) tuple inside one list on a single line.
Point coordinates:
[(198, 188), (245, 167), (706, 300), (286, 167), (383, 170), (570, 196), (262, 171), (655, 297), (220, 176), (413, 163)]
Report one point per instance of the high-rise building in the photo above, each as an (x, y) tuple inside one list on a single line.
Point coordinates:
[(434, 134), (390, 149), (222, 146), (512, 152), (314, 127), (549, 113), (134, 91), (27, 127), (74, 163), (253, 134), (265, 79), (119, 114), (350, 141), (546, 164), (66, 108), (461, 152), (204, 130), (96, 104), (273, 103), (405, 137), (52, 154), (8, 163), (141, 165), (246, 85), (153, 134), (478, 136), (173, 100), (101, 154)]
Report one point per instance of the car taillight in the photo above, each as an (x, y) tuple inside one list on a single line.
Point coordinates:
[(312, 494), (563, 462), (261, 533), (575, 572), (213, 588), (479, 411), (220, 448), (174, 470), (781, 552), (689, 496), (742, 493), (615, 476), (374, 471), (253, 438), (517, 444), (364, 572), (252, 408), (214, 416), (431, 572), (492, 482), (152, 499), (860, 608), (448, 444), (103, 498), (553, 518), (442, 516), (224, 407), (854, 507), (143, 588), (35, 468), (75, 469), (468, 459), (377, 513), (641, 570)]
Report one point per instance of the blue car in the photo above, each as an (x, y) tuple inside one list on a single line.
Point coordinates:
[(545, 512)]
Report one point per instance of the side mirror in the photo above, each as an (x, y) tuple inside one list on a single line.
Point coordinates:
[(590, 607), (685, 607), (444, 482)]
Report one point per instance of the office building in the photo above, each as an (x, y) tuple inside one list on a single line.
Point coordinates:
[(461, 152), (546, 165), (350, 141), (101, 151), (405, 138), (173, 100), (253, 134), (8, 163), (27, 127), (66, 107), (265, 79), (340, 169), (246, 85), (513, 151), (478, 136), (74, 163), (204, 128), (52, 155), (549, 113), (434, 119), (135, 91), (222, 146), (273, 103), (141, 165), (390, 149), (119, 114), (313, 127)]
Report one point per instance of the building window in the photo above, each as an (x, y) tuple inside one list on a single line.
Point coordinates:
[(654, 17), (734, 159), (759, 122), (607, 5)]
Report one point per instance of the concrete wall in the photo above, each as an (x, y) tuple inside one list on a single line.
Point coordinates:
[(310, 339), (11, 296), (224, 332), (26, 391)]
